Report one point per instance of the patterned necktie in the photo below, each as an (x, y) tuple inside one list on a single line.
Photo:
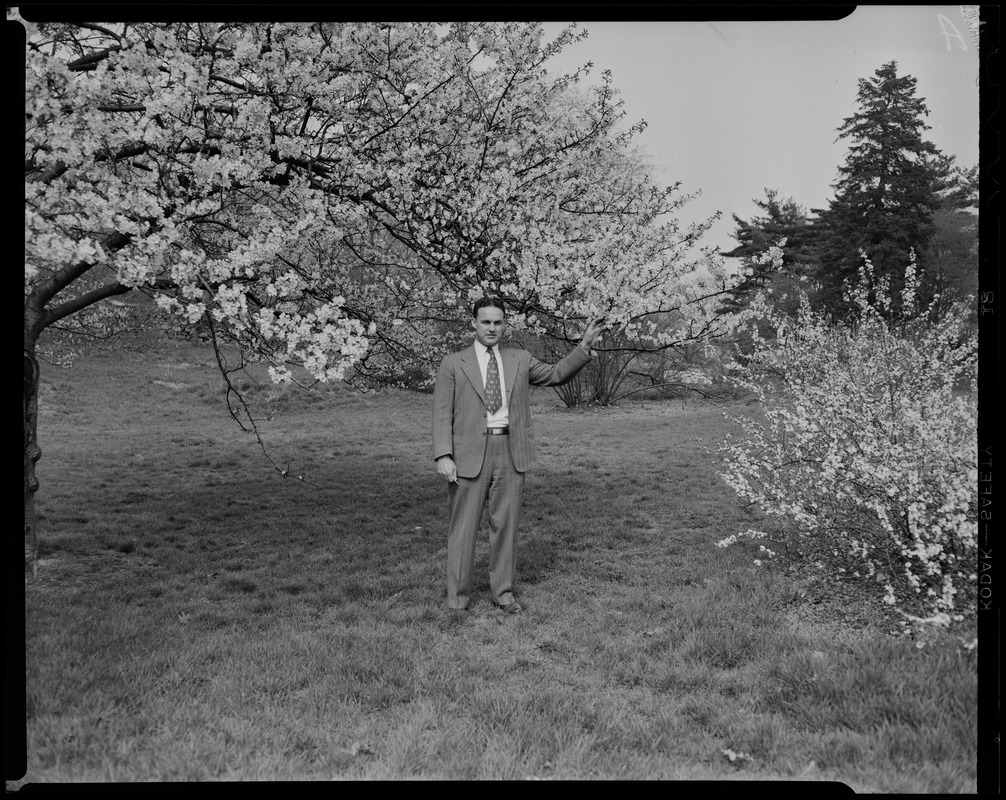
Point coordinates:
[(494, 394)]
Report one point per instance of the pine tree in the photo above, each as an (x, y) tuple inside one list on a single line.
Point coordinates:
[(886, 192), (951, 256), (781, 220)]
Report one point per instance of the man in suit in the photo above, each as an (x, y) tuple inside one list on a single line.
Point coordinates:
[(483, 444)]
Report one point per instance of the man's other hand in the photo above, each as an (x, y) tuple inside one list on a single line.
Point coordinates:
[(447, 469)]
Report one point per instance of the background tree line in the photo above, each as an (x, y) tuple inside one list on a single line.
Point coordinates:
[(896, 193)]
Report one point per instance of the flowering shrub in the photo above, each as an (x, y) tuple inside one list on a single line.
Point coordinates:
[(868, 445)]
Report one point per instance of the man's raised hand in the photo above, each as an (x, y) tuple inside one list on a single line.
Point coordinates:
[(594, 330)]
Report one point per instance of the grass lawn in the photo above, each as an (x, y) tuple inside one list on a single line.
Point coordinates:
[(196, 616)]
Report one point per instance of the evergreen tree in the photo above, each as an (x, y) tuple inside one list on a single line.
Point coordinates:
[(887, 190), (951, 256), (781, 219), (956, 186)]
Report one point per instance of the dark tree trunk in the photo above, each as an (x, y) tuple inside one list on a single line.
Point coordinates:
[(37, 317), (32, 453)]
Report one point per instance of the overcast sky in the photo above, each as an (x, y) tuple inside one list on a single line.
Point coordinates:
[(735, 107)]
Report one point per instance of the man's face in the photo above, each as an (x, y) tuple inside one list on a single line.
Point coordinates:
[(488, 325)]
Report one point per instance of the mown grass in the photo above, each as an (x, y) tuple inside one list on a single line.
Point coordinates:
[(195, 616)]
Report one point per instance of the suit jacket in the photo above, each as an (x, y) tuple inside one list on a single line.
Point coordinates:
[(459, 404)]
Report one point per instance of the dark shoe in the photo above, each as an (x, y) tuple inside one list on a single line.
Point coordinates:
[(513, 607), (457, 614)]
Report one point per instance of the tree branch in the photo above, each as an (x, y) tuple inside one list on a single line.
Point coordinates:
[(61, 278), (89, 62), (100, 29), (85, 300)]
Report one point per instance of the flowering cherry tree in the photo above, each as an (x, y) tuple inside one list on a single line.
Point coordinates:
[(333, 195), (868, 445)]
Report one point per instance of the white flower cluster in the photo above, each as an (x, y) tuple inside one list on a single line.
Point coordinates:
[(868, 444)]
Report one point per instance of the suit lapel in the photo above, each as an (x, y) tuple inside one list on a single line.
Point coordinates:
[(470, 367)]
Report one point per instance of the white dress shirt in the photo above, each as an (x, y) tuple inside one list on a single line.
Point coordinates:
[(501, 419)]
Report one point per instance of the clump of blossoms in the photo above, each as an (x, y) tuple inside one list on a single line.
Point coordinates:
[(868, 445)]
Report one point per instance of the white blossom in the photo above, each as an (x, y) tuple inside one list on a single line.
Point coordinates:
[(868, 446)]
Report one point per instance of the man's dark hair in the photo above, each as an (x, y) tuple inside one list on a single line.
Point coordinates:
[(488, 302)]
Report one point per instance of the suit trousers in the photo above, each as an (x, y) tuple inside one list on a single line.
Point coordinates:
[(500, 487)]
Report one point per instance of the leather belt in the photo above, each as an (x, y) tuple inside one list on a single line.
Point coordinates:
[(497, 432)]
